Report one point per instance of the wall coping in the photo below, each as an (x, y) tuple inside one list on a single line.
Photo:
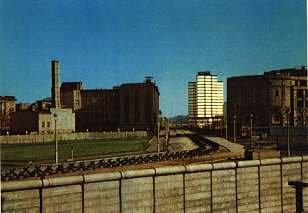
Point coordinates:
[(224, 165), (271, 161), (198, 167), (305, 157), (21, 185), (90, 178), (292, 159), (168, 170), (138, 173), (60, 181), (248, 163)]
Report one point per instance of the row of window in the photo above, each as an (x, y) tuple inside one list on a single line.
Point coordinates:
[(45, 124)]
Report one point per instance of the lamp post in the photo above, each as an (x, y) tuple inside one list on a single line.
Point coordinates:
[(288, 132), (234, 129), (251, 116), (56, 141), (158, 129), (226, 119)]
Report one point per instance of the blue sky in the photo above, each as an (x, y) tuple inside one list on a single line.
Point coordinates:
[(107, 43)]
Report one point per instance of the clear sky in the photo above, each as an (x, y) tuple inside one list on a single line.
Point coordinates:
[(107, 43)]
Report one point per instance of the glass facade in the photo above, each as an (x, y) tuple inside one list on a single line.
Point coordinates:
[(205, 100)]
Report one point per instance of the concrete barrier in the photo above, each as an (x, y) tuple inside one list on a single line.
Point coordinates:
[(243, 186), (5, 139)]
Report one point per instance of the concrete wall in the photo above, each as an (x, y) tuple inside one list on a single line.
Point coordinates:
[(65, 120), (244, 186), (294, 131), (71, 136)]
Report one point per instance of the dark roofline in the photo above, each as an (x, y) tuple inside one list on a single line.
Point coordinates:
[(72, 82), (95, 90), (8, 98), (246, 76), (204, 73), (136, 84), (297, 71)]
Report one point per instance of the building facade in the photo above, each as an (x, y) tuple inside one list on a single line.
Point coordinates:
[(276, 98), (42, 121), (99, 110), (138, 106), (205, 101), (42, 116), (131, 106), (192, 104), (70, 95), (7, 106)]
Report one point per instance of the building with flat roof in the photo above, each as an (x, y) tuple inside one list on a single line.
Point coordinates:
[(42, 121), (131, 106), (205, 101), (98, 111), (70, 95), (276, 98), (138, 105), (41, 116)]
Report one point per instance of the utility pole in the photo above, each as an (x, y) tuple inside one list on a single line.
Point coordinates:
[(158, 130), (166, 124), (226, 119), (288, 132), (251, 116), (234, 129), (56, 141)]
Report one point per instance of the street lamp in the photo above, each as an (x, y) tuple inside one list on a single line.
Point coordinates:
[(234, 129), (158, 130), (251, 116), (288, 132), (226, 119), (56, 141)]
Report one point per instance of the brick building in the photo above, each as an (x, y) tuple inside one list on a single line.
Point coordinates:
[(125, 107), (70, 95), (42, 121), (7, 106), (132, 106), (138, 105), (98, 110), (276, 98), (42, 116)]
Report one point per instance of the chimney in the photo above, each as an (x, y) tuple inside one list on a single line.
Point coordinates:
[(55, 89), (148, 79)]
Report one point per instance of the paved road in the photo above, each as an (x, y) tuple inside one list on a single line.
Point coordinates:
[(232, 147)]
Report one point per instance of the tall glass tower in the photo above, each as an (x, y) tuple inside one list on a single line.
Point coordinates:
[(205, 101)]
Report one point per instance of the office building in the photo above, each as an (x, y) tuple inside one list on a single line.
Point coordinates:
[(205, 101)]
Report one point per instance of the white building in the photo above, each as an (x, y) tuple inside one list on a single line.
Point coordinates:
[(205, 101)]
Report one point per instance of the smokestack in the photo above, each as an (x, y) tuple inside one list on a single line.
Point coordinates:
[(55, 89)]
